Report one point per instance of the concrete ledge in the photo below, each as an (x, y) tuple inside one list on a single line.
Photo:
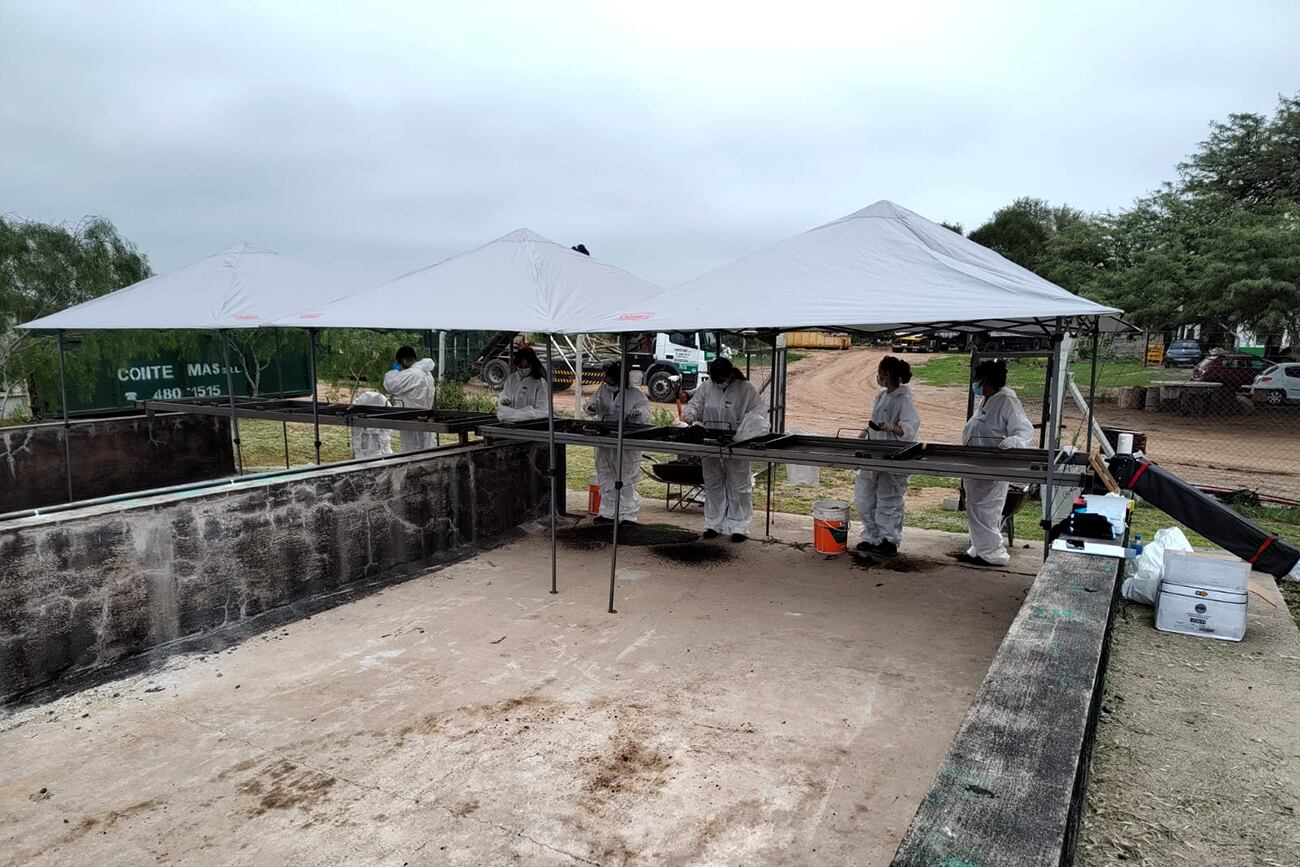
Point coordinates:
[(1010, 790), (92, 586), (110, 456)]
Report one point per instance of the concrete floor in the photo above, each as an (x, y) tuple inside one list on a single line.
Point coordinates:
[(779, 709)]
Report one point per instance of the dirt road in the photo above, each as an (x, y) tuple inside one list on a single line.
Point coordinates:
[(832, 391)]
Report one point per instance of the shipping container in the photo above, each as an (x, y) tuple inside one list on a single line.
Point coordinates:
[(102, 381), (816, 340)]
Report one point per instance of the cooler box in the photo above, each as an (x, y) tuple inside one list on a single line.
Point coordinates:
[(1203, 596)]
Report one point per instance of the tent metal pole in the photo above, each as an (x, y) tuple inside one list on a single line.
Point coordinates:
[(577, 379), (279, 384), (1050, 430), (230, 389), (771, 423), (442, 354), (315, 398), (550, 466), (1047, 417), (1092, 382), (618, 481), (67, 425)]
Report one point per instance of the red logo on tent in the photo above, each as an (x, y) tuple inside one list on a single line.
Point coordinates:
[(633, 316), (247, 316), (310, 316)]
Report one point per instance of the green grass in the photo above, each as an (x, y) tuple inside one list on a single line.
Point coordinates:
[(262, 444), (1026, 375)]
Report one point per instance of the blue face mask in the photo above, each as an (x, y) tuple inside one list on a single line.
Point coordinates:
[(977, 389)]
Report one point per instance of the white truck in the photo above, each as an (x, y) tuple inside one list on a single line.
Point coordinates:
[(669, 361), (672, 361)]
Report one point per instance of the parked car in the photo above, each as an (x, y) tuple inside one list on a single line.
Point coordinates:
[(1277, 385), (1183, 353), (1230, 369), (910, 343)]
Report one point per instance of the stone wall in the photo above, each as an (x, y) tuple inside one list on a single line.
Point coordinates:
[(110, 456), (92, 586)]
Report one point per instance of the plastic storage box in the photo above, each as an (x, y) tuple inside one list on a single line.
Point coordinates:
[(1203, 596)]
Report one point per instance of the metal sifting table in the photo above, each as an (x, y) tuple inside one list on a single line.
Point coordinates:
[(1026, 466), (440, 421)]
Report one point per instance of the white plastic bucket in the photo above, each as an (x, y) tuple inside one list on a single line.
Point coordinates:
[(1125, 444), (830, 526)]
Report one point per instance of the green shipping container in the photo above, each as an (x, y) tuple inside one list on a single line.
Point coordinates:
[(115, 384)]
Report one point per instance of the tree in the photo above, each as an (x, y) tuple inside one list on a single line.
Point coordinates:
[(1021, 231), (954, 227), (356, 356), (1250, 159), (45, 268)]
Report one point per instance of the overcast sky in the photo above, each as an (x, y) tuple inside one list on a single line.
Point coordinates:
[(668, 136)]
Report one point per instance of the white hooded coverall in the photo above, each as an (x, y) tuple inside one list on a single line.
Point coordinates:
[(413, 388), (604, 406), (728, 484), (999, 422), (370, 442), (523, 398), (880, 495)]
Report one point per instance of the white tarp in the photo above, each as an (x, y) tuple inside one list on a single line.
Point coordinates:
[(244, 287), (882, 268), (519, 282)]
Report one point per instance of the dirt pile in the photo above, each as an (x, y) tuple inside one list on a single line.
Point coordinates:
[(695, 553), (592, 536)]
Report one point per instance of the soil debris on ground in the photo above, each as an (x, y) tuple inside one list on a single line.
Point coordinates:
[(896, 563), (1194, 762), (592, 536), (695, 553)]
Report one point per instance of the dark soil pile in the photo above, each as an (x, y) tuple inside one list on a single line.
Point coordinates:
[(695, 553), (592, 536)]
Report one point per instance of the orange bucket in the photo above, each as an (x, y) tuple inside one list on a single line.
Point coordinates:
[(830, 526), (593, 495)]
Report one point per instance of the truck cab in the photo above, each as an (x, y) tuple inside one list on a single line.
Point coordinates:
[(673, 361)]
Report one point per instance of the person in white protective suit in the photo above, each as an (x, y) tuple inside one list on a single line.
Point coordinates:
[(728, 402), (604, 405), (524, 395), (999, 422), (880, 495), (410, 384), (369, 442)]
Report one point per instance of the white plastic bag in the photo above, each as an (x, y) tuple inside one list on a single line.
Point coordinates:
[(1144, 584), (796, 474)]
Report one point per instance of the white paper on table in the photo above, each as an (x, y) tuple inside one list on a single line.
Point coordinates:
[(1092, 549)]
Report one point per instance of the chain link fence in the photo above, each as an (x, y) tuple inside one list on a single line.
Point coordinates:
[(1223, 419)]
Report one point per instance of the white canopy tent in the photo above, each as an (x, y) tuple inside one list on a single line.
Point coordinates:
[(241, 288), (520, 281), (882, 268), (244, 287)]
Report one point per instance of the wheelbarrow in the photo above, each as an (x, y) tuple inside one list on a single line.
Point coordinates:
[(686, 475)]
